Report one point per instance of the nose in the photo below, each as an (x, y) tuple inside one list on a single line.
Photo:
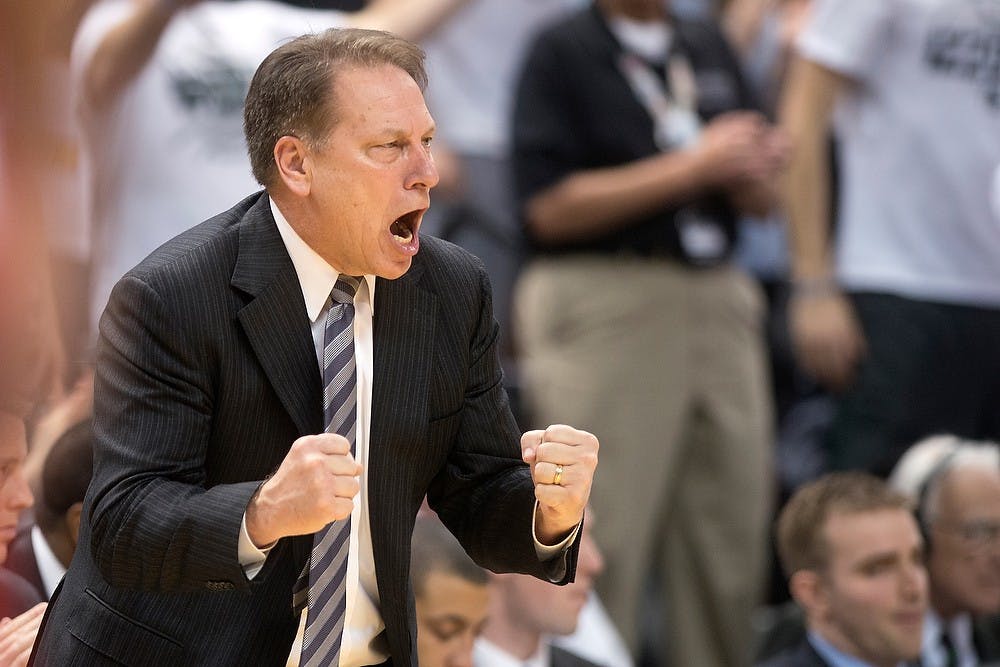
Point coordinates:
[(914, 581), (17, 492), (423, 171), (462, 655)]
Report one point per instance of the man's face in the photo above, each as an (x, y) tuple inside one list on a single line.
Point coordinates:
[(15, 496), (873, 592), (964, 561), (371, 175), (451, 612), (546, 608)]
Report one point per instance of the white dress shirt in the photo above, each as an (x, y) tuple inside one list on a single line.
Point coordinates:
[(959, 629)]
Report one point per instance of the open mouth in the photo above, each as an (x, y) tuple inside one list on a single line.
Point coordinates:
[(404, 227)]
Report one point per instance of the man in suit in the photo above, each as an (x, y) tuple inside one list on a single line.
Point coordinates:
[(42, 550), (525, 613), (451, 593), (212, 470), (854, 557), (954, 484)]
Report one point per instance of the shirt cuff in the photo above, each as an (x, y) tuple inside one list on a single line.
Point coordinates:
[(251, 558), (544, 551)]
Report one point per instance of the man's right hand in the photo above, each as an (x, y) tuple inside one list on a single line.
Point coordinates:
[(827, 338), (313, 486)]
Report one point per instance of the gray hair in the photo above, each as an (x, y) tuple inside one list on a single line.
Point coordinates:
[(923, 467)]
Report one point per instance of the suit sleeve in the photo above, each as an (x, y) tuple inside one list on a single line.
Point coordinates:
[(485, 494), (156, 525)]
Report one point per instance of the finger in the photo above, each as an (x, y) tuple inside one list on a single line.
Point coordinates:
[(552, 473), (345, 487), (331, 443), (529, 443), (557, 452), (342, 464), (567, 434)]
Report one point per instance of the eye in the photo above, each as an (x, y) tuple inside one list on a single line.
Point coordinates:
[(427, 141)]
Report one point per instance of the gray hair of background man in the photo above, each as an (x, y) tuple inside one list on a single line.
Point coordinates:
[(292, 92), (919, 472)]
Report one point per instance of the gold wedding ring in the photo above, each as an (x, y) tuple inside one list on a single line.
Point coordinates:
[(557, 479)]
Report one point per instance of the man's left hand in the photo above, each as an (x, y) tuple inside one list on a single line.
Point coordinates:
[(562, 460)]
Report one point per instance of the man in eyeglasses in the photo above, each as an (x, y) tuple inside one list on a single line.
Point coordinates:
[(955, 486)]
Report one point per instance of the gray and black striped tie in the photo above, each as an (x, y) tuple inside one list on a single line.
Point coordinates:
[(322, 584)]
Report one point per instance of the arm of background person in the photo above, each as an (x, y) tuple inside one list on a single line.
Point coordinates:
[(592, 202), (408, 19), (825, 332), (125, 50)]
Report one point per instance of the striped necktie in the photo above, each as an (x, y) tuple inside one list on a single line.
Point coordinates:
[(322, 584)]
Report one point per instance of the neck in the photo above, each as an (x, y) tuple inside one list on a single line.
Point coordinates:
[(513, 637)]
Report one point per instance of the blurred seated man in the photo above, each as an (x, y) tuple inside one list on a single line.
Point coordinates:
[(854, 557), (452, 596), (525, 612), (16, 594), (41, 551), (18, 618), (955, 487)]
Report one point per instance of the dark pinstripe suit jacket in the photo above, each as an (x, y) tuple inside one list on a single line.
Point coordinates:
[(206, 374)]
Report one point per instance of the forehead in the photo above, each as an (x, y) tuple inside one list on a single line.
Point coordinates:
[(449, 595), (13, 439), (379, 98), (968, 491), (856, 536)]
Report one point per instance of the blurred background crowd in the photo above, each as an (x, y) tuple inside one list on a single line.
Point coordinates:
[(745, 242)]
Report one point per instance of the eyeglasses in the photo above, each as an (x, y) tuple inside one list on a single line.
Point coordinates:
[(977, 534)]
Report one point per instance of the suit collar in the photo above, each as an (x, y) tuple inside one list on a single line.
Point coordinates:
[(275, 319)]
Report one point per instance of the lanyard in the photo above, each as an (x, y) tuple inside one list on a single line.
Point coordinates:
[(675, 117)]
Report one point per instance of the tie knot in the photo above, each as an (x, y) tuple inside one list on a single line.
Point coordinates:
[(345, 289)]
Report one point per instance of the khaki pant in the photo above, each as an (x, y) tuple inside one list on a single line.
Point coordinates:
[(666, 365)]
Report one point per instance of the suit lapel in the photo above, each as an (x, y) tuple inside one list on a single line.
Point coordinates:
[(275, 319)]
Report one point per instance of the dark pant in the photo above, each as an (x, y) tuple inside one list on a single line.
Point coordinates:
[(931, 368)]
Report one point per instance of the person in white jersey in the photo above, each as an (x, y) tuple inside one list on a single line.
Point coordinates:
[(899, 308)]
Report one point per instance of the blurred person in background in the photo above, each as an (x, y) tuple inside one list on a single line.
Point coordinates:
[(636, 148), (160, 89), (853, 554), (43, 549), (898, 310), (452, 596), (525, 614), (954, 485)]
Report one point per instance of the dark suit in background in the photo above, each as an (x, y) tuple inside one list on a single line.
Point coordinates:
[(17, 595), (801, 655), (206, 375), (21, 559)]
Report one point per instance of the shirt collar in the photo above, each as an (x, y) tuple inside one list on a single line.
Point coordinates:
[(959, 629), (316, 276), (834, 656), (488, 653)]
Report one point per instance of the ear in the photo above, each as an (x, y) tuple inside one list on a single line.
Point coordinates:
[(73, 521), (293, 163), (808, 589)]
